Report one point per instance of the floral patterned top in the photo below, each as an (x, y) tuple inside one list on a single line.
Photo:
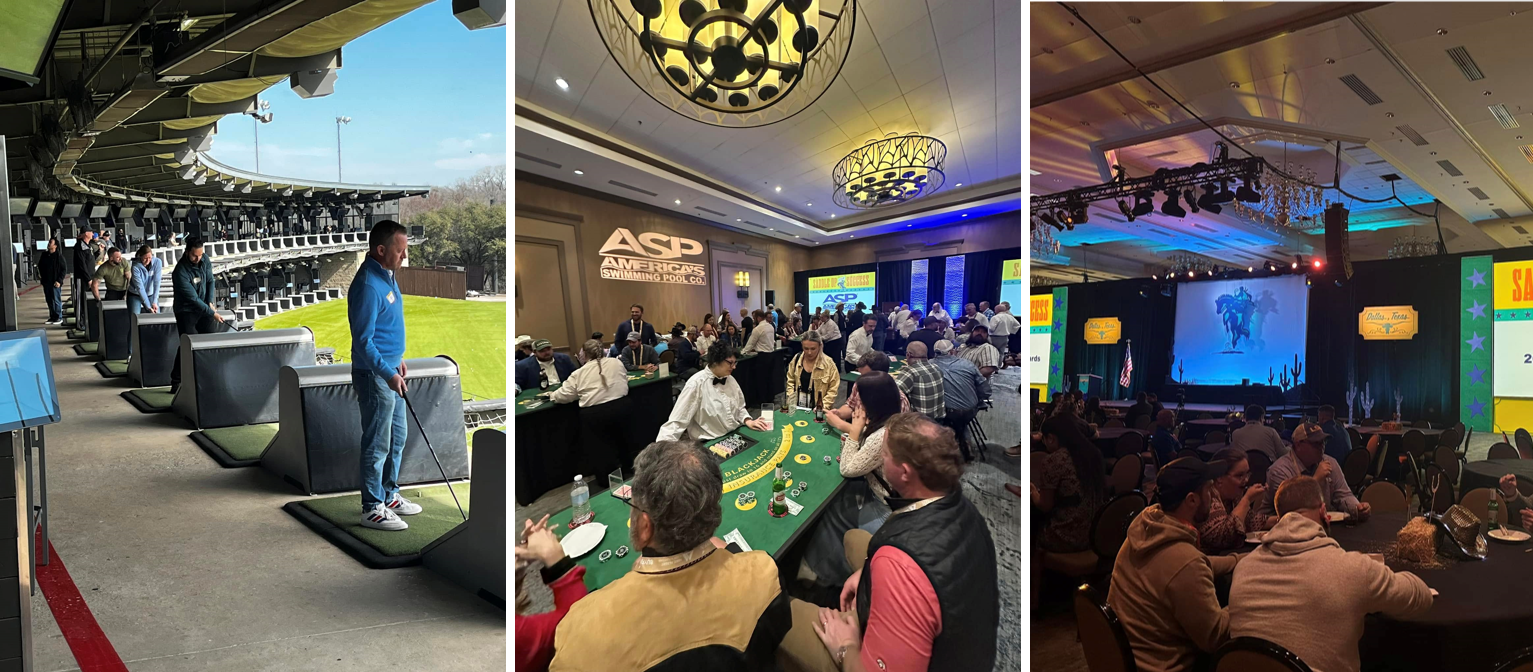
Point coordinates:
[(1068, 529), (1222, 531)]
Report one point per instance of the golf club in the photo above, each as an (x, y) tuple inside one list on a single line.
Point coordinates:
[(433, 454)]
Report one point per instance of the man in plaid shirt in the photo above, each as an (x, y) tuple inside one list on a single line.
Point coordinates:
[(921, 381)]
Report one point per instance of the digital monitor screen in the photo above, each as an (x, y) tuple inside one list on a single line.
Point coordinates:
[(125, 211), (20, 206), (28, 28), (71, 210), (828, 290), (179, 213), (98, 211), (70, 242), (152, 213), (42, 245), (27, 395), (44, 208), (1231, 331)]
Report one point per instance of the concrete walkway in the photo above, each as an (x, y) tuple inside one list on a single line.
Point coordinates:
[(190, 566)]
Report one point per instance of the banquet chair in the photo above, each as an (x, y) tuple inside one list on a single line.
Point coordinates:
[(1101, 634), (1114, 422), (1521, 661), (1110, 527), (1131, 443), (1449, 461), (1355, 468), (1478, 503), (1450, 438), (1383, 496), (1127, 472), (1502, 451), (1357, 439), (1524, 443), (1216, 436), (1143, 422), (1205, 416), (1259, 463), (1415, 443), (1372, 422), (1254, 654), (1190, 452)]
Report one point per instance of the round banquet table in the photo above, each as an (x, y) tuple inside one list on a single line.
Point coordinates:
[(1483, 612), (1488, 473), (1107, 438)]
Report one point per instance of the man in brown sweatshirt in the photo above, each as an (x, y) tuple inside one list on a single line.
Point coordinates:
[(1300, 590), (1162, 585)]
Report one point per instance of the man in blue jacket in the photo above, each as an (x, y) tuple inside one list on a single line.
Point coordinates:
[(192, 282), (558, 365), (376, 312)]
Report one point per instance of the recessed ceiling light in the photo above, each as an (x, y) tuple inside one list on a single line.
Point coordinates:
[(1030, 170), (958, 185), (779, 187), (580, 172), (809, 204), (851, 236), (909, 225), (966, 214), (562, 84), (739, 220), (771, 229), (833, 215), (678, 201)]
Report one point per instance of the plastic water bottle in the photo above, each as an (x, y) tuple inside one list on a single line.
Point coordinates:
[(1492, 507), (580, 503)]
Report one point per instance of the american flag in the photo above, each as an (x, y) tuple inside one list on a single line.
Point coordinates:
[(1128, 365)]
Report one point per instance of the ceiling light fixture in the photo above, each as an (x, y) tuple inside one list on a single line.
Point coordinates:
[(562, 84), (730, 66), (580, 172), (779, 188), (894, 170), (678, 201)]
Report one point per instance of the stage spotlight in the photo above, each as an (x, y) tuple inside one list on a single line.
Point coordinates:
[(1171, 207), (1224, 195), (1210, 274), (1250, 269), (1048, 218), (1192, 199), (1296, 265), (1078, 214), (1316, 263), (1126, 209), (1154, 276), (1165, 290), (1191, 274), (1143, 205), (1246, 193), (1209, 200)]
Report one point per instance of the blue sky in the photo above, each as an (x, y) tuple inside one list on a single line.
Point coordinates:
[(427, 101)]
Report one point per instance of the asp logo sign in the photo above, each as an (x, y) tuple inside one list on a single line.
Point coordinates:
[(652, 245), (644, 258)]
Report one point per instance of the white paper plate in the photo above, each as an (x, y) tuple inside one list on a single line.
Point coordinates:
[(583, 539), (1335, 516), (1255, 537), (1513, 536)]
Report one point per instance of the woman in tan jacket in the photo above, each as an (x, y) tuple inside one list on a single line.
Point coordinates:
[(813, 374)]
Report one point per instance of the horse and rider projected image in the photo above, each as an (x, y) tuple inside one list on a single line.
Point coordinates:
[(1229, 331)]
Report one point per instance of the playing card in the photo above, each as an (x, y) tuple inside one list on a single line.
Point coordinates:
[(793, 507), (737, 539)]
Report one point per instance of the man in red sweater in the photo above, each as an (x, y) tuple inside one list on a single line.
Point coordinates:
[(925, 598), (535, 633)]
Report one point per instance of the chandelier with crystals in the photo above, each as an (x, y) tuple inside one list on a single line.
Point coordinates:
[(1412, 246), (1286, 202), (896, 169), (1189, 265), (1044, 245), (736, 63)]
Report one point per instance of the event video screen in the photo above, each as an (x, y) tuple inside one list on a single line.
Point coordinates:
[(27, 396), (1011, 284), (1230, 331), (1513, 357), (828, 290), (1040, 338)]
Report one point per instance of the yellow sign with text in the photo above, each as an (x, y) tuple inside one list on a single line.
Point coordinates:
[(1387, 323), (1041, 310), (1514, 285), (1103, 330)]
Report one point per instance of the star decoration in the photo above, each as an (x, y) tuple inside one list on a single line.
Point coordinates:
[(1053, 369), (1476, 279), (1057, 346), (1476, 407), (1477, 375), (1476, 343), (1058, 325), (1059, 302), (1477, 310)]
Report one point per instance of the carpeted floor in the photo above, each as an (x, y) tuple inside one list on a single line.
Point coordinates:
[(438, 515)]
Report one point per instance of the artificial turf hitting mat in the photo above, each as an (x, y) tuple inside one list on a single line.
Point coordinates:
[(338, 519), (76, 335), (86, 349), (150, 399), (112, 368), (239, 446)]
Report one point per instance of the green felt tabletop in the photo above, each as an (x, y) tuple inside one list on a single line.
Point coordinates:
[(751, 470), (895, 364), (527, 396)]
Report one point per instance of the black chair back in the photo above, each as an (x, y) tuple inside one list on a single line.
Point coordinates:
[(1253, 654), (1259, 463), (1415, 443), (1190, 452), (1131, 443), (1127, 472), (1110, 527), (1372, 422), (1102, 637), (1449, 461), (1524, 443), (1143, 422), (1445, 497), (1216, 436), (1355, 468), (1205, 416), (1450, 438), (1115, 422), (1502, 451), (1357, 439)]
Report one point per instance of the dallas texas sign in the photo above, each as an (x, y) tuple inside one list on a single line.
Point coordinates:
[(651, 257)]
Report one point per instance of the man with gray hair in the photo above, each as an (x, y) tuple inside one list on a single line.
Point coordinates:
[(921, 382), (964, 388), (699, 605)]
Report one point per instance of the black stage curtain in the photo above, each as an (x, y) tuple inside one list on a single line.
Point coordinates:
[(936, 267), (893, 282), (1424, 369), (801, 283), (1148, 321), (982, 275)]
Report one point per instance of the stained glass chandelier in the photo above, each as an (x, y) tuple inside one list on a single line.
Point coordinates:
[(735, 63), (896, 169)]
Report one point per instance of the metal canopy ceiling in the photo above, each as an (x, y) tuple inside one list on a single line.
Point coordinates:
[(133, 91)]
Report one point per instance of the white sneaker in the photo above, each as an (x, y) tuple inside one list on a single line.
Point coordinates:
[(404, 507), (382, 518)]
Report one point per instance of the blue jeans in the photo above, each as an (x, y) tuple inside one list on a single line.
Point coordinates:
[(135, 306), (383, 437), (55, 302)]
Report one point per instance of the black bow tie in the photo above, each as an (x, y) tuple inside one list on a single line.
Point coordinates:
[(720, 381)]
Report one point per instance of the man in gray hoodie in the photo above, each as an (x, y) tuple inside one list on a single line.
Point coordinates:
[(1300, 590), (1162, 585)]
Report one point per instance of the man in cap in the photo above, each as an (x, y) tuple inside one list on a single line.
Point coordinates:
[(557, 366), (1162, 584), (637, 356), (1308, 458), (523, 347)]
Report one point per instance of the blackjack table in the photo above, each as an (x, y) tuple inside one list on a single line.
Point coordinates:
[(795, 440), (548, 442)]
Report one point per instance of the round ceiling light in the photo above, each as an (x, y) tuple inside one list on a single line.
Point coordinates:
[(727, 62), (896, 169)]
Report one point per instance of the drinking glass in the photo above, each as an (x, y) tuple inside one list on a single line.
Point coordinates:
[(766, 414), (615, 481)]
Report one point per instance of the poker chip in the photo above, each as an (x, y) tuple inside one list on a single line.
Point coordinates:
[(795, 492), (806, 438), (801, 423), (803, 485), (787, 474), (827, 459), (801, 458), (622, 551), (605, 556)]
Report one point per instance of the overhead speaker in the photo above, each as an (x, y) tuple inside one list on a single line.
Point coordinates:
[(771, 297), (314, 83), (476, 14), (1337, 253)]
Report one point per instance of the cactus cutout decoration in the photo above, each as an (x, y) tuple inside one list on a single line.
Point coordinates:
[(1269, 375), (1298, 370), (1351, 400), (1398, 399), (1367, 400), (1180, 377)]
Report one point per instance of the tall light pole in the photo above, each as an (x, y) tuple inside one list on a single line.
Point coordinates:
[(338, 122), (261, 106)]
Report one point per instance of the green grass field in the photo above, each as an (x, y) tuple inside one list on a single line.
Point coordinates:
[(472, 333)]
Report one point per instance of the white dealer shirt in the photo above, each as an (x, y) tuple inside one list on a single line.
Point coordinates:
[(705, 411), (858, 344)]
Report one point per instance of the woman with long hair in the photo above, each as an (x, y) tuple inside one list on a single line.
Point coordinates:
[(1236, 511), (1094, 413), (1071, 487), (863, 501), (731, 334), (598, 382)]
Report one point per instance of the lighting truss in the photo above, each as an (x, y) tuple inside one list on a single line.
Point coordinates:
[(1073, 203)]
